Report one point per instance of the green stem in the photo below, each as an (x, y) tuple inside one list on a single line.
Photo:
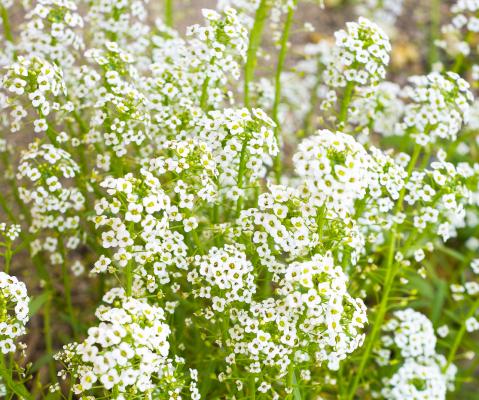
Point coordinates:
[(241, 171), (48, 335), (458, 64), (277, 89), (391, 271), (67, 288), (129, 278), (460, 335), (252, 388), (377, 325), (308, 121), (8, 257), (457, 67), (6, 209), (204, 94), (290, 382), (435, 11), (7, 30), (347, 95), (169, 13), (253, 48)]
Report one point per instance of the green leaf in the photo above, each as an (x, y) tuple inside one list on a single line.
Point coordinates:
[(438, 301), (296, 391), (43, 360), (37, 302)]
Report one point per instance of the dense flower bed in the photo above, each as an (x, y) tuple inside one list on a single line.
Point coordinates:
[(190, 225)]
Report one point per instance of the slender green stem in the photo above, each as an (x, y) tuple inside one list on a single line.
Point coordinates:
[(458, 64), (412, 163), (204, 94), (435, 27), (252, 388), (129, 278), (241, 171), (460, 334), (48, 335), (391, 270), (290, 382), (253, 47), (67, 287), (6, 209), (457, 67), (252, 56), (277, 86), (7, 30), (313, 100), (347, 95), (8, 257), (169, 13), (390, 274), (451, 252)]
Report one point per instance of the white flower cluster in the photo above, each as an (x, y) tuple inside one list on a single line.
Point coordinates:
[(13, 311), (189, 74), (126, 354), (50, 31), (410, 341), (223, 34), (338, 173), (412, 332), (242, 143), (468, 290), (286, 223), (439, 196), (260, 286), (361, 55), (464, 24), (40, 84), (122, 21), (313, 319), (247, 9), (119, 103), (436, 107), (192, 163), (54, 205), (131, 203), (140, 217), (384, 12), (10, 232), (377, 108), (224, 275), (334, 169), (421, 380)]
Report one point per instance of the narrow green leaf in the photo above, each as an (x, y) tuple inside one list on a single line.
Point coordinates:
[(37, 302), (296, 391), (438, 301)]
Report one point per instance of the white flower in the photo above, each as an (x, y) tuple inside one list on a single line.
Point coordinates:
[(472, 324)]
